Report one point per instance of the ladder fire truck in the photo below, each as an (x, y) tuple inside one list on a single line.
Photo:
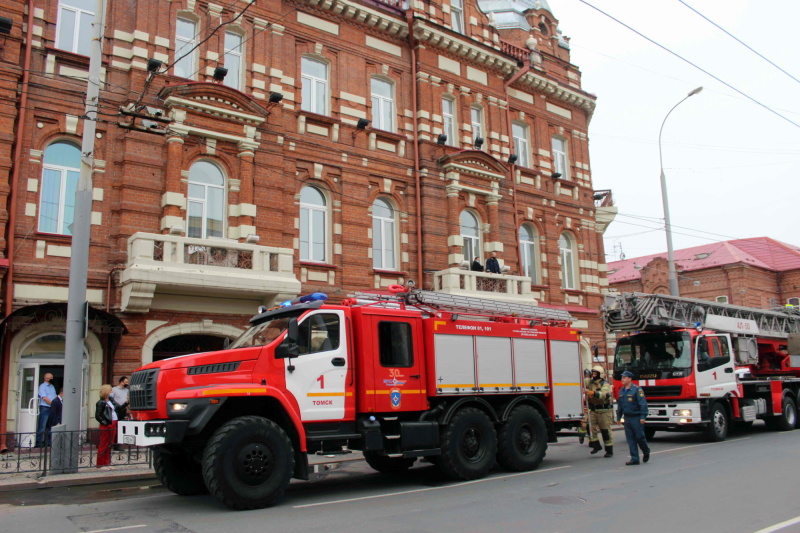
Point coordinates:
[(462, 381), (706, 365)]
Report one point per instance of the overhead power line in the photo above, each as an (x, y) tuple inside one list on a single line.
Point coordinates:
[(698, 67), (729, 34)]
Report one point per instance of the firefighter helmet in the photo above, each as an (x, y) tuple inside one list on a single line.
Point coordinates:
[(600, 370)]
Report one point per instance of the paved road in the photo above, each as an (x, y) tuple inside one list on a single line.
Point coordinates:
[(746, 484)]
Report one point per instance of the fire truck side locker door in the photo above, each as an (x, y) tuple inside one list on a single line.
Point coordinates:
[(566, 364)]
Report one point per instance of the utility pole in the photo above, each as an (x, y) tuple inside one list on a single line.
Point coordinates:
[(77, 306)]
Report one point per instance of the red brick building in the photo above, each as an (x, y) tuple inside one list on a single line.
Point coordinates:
[(351, 145), (758, 272)]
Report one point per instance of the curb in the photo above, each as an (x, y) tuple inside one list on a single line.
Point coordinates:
[(317, 464), (67, 480)]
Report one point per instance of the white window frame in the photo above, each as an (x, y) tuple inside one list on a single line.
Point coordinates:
[(234, 60), (449, 120), (472, 243), (204, 201), (62, 227), (187, 64), (382, 105), (722, 299), (457, 15), (560, 156), (567, 253), (477, 122), (76, 44), (315, 84), (385, 227), (521, 143), (306, 217), (530, 254)]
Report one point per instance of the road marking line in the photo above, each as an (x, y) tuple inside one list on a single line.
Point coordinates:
[(429, 488), (698, 445), (117, 528), (782, 525)]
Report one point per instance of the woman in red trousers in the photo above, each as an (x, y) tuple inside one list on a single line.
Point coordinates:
[(106, 414)]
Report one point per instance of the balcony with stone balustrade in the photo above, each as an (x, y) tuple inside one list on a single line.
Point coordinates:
[(188, 267)]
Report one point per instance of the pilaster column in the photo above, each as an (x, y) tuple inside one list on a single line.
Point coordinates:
[(172, 181)]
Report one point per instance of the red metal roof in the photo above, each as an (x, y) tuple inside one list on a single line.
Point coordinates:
[(762, 252)]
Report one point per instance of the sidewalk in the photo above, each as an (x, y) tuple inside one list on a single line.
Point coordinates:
[(121, 473)]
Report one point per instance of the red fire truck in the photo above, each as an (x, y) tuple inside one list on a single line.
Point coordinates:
[(706, 365), (461, 381)]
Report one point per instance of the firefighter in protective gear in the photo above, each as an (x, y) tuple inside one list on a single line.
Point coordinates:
[(598, 396)]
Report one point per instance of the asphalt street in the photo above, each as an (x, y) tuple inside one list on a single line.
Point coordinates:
[(745, 484)]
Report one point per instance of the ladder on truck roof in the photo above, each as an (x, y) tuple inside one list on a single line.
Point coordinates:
[(642, 312), (453, 303)]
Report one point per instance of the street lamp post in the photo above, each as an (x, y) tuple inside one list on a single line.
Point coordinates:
[(673, 277)]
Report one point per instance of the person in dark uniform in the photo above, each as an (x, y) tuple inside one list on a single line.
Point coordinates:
[(476, 265), (632, 407)]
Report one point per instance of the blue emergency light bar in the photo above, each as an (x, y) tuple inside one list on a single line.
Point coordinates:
[(314, 296)]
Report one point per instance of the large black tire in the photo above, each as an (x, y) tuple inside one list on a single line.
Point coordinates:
[(248, 462), (179, 473), (719, 423), (388, 465), (788, 419), (649, 433), (469, 445), (522, 440)]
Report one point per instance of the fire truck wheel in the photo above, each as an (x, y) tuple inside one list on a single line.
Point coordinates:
[(717, 429), (179, 473), (788, 419), (469, 445), (649, 433), (248, 462), (522, 440), (388, 465)]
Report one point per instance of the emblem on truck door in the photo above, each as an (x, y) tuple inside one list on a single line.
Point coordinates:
[(395, 396)]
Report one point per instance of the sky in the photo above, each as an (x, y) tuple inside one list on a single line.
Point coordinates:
[(731, 166)]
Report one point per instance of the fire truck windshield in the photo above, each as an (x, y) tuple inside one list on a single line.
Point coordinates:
[(654, 352), (262, 334)]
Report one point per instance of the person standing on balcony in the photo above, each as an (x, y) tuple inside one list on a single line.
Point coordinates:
[(492, 264), (476, 265)]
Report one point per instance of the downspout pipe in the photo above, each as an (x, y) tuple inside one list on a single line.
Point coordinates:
[(8, 308), (521, 72), (414, 107)]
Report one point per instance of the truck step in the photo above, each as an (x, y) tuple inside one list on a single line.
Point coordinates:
[(390, 418), (394, 455), (391, 437)]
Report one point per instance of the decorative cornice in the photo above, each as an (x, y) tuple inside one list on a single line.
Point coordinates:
[(568, 96), (201, 105), (464, 48), (391, 24)]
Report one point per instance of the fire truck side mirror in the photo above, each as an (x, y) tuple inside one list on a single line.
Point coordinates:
[(288, 348)]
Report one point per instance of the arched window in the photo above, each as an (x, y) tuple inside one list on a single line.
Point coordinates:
[(470, 232), (566, 246), (384, 251), (206, 203), (313, 223), (530, 259), (61, 170), (382, 104)]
